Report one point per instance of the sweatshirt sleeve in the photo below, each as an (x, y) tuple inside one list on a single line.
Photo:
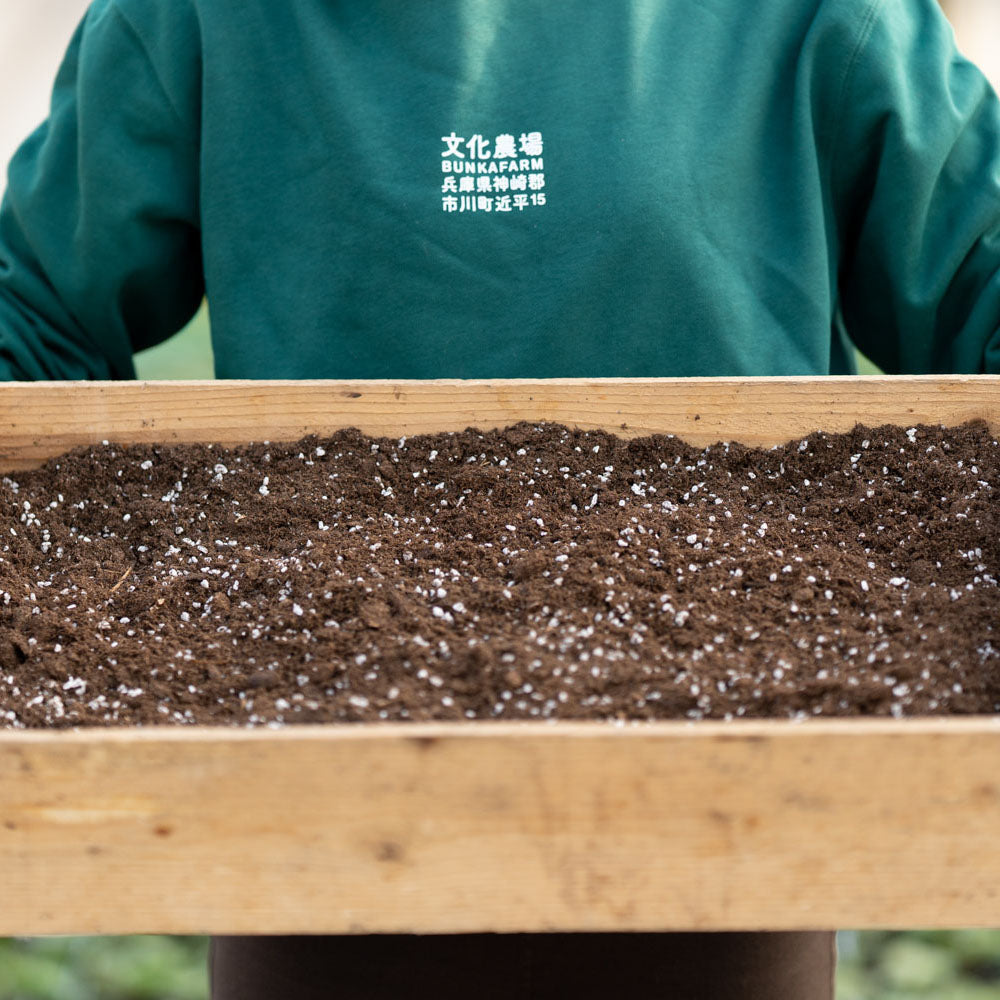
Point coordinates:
[(99, 240), (917, 177)]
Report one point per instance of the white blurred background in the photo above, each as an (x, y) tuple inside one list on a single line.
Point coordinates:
[(33, 37)]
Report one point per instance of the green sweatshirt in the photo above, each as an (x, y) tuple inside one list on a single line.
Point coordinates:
[(504, 188)]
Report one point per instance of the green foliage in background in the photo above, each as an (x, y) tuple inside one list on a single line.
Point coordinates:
[(104, 968), (186, 355), (919, 965)]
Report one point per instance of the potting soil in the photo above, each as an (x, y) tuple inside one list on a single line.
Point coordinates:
[(535, 572)]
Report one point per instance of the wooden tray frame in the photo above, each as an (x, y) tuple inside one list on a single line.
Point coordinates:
[(496, 826)]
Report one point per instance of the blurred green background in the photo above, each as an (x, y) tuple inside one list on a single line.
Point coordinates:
[(186, 355), (105, 968)]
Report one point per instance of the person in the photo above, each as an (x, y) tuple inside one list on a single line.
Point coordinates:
[(505, 188)]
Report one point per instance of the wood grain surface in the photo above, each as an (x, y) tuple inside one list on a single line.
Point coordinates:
[(40, 419), (502, 826)]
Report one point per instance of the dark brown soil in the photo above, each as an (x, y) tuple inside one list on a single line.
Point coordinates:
[(535, 572)]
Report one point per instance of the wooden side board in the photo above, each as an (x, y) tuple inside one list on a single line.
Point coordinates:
[(38, 420), (504, 827)]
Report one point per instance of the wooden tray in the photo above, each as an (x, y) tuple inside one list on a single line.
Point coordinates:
[(489, 825)]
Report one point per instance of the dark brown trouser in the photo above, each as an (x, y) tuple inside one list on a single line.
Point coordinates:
[(688, 966)]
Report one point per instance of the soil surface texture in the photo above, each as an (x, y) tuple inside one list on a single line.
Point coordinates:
[(533, 572)]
